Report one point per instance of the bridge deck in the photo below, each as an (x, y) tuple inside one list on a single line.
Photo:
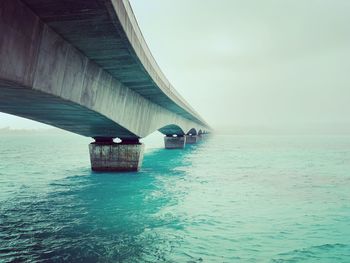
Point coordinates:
[(106, 31)]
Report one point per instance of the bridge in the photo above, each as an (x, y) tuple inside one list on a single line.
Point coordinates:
[(84, 66)]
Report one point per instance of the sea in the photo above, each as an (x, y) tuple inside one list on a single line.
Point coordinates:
[(229, 198)]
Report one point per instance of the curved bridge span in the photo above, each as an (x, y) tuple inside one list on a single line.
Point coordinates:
[(84, 66)]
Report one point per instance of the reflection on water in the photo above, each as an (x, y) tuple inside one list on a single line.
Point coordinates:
[(229, 199)]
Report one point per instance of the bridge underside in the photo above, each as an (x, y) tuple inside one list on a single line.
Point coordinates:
[(43, 75), (55, 111)]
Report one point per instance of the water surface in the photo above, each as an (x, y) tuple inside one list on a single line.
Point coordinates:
[(228, 199)]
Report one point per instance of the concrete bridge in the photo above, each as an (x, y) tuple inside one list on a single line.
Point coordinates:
[(84, 66)]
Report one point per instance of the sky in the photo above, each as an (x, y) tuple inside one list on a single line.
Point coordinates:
[(252, 65)]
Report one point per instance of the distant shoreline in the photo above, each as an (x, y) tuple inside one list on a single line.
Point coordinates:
[(56, 131), (14, 131)]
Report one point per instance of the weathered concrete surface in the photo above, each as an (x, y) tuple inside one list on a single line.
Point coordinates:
[(175, 142), (192, 139), (116, 157), (83, 66)]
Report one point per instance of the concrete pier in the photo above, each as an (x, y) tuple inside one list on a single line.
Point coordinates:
[(174, 142), (105, 155), (192, 139)]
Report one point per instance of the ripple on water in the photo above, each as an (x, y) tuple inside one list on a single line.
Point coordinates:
[(321, 253)]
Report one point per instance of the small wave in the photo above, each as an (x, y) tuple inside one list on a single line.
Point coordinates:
[(313, 253)]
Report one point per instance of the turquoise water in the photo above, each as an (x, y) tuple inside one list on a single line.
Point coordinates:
[(228, 199)]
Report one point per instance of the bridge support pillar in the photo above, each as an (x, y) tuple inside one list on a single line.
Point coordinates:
[(107, 156), (174, 142), (192, 139)]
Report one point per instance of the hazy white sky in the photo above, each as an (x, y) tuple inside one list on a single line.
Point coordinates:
[(253, 63)]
